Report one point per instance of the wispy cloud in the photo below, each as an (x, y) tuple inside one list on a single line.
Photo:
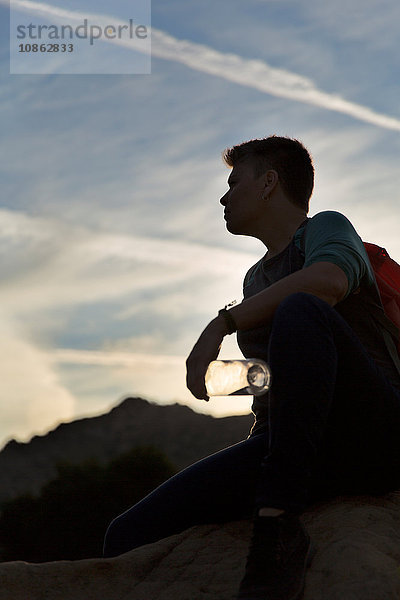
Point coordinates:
[(33, 397), (124, 359), (147, 375), (51, 266), (77, 265), (259, 75), (256, 74)]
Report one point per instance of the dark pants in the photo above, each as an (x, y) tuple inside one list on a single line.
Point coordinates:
[(334, 425)]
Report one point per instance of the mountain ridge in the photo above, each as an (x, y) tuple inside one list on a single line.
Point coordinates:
[(182, 434)]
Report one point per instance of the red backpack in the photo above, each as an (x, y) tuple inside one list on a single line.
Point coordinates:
[(387, 275)]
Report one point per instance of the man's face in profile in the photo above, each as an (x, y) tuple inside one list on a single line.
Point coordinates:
[(243, 201)]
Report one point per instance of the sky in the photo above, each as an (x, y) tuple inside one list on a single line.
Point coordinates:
[(114, 250)]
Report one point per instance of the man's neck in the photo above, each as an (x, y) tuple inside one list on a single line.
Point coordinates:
[(280, 233)]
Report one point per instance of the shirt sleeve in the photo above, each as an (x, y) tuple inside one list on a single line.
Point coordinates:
[(330, 237)]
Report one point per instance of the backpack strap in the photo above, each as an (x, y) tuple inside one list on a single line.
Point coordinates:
[(249, 275), (388, 329), (392, 349), (303, 236)]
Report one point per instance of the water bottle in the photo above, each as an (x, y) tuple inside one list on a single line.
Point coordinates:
[(238, 377)]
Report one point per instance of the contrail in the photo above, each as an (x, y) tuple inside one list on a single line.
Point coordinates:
[(256, 74)]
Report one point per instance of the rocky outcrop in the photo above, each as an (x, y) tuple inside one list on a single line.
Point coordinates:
[(358, 558)]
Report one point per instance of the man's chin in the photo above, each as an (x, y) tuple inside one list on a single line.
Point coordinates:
[(229, 226), (234, 230)]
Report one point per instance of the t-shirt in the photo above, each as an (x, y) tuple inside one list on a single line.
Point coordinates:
[(329, 237)]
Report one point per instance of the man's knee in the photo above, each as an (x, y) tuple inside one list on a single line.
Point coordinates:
[(302, 303), (300, 314)]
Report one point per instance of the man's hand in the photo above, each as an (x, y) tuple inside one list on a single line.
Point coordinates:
[(205, 350)]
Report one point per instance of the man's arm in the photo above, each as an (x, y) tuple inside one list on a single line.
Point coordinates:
[(325, 280)]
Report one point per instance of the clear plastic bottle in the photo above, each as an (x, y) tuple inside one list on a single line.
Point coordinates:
[(238, 377)]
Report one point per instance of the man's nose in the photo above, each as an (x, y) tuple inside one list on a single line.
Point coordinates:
[(224, 199)]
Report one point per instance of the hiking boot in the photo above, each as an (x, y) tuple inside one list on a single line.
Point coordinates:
[(279, 554)]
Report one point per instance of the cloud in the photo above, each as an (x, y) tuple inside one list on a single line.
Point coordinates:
[(256, 74), (124, 359), (153, 376), (259, 75), (33, 397), (53, 268), (68, 265)]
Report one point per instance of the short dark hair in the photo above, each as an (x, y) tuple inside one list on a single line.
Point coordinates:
[(287, 156)]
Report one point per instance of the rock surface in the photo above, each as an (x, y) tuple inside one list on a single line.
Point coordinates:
[(358, 558)]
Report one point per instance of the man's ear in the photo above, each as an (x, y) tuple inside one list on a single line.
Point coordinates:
[(271, 178)]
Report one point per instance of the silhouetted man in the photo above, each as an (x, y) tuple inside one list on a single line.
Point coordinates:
[(330, 423)]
